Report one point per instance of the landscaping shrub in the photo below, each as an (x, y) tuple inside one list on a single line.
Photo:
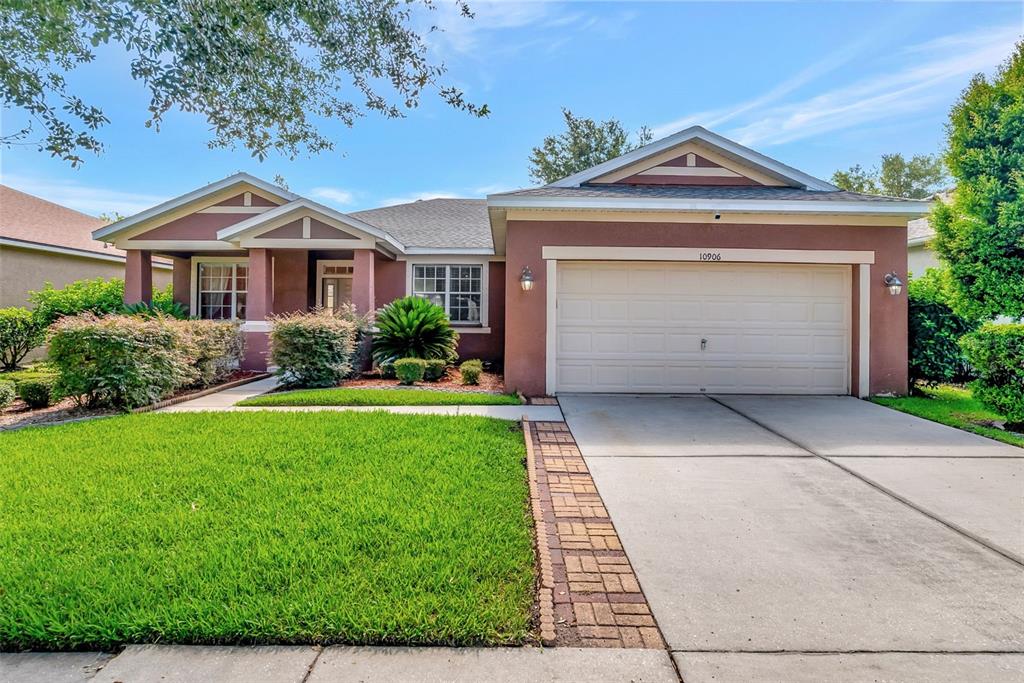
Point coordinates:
[(20, 332), (471, 370), (996, 353), (99, 296), (7, 394), (435, 368), (413, 327), (36, 393), (410, 370), (214, 348), (315, 349), (935, 331), (159, 306), (118, 361)]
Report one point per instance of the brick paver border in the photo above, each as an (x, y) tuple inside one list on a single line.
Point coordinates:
[(589, 595)]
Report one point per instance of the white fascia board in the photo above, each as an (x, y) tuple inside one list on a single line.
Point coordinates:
[(904, 208), (252, 225), (189, 197), (454, 251), (702, 134)]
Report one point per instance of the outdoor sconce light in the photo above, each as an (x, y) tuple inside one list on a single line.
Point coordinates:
[(526, 279), (894, 283)]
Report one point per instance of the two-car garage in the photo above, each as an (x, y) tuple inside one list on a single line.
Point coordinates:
[(660, 326)]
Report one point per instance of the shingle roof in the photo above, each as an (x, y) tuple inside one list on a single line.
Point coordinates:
[(435, 223), (920, 229), (31, 219), (698, 192)]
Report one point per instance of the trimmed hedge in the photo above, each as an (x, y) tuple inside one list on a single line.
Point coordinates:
[(36, 393), (996, 352), (935, 330), (125, 362), (434, 369), (410, 370), (316, 349), (20, 332), (7, 393), (471, 370)]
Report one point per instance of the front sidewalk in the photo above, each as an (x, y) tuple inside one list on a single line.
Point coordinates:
[(224, 401), (298, 664)]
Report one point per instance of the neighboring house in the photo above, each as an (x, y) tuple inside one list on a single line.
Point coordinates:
[(44, 242), (920, 255), (692, 264)]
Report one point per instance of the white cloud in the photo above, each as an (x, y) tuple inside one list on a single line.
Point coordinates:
[(494, 188), (917, 85), (335, 195), (85, 198), (930, 73)]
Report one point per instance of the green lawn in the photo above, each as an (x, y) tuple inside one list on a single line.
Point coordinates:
[(379, 397), (260, 527), (953, 406), (28, 374)]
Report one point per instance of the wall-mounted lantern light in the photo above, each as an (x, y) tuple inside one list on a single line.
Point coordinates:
[(894, 283), (526, 279)]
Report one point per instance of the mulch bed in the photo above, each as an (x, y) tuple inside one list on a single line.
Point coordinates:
[(589, 595), (452, 381), (18, 414)]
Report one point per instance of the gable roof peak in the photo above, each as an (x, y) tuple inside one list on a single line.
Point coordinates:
[(702, 135)]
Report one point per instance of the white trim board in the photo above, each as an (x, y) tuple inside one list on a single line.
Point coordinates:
[(864, 333), (705, 254)]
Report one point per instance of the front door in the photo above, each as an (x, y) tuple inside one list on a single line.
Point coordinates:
[(336, 291)]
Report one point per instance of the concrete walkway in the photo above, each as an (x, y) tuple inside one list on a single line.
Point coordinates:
[(224, 401), (806, 539), (299, 664)]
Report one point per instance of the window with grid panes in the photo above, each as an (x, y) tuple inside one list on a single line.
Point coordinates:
[(455, 288)]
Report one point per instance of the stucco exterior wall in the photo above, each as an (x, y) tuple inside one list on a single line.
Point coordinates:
[(24, 270), (525, 314), (920, 258)]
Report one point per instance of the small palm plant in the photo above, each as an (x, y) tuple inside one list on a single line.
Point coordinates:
[(413, 327)]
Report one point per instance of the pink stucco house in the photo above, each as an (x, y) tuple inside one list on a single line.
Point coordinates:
[(692, 264)]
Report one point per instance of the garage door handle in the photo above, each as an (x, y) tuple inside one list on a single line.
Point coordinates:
[(703, 344)]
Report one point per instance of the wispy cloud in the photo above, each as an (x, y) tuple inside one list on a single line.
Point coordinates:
[(926, 73), (931, 73), (85, 198), (334, 195)]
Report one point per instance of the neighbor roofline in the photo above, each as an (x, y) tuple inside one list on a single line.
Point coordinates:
[(918, 241), (237, 229), (189, 197), (892, 208), (71, 251), (734, 149)]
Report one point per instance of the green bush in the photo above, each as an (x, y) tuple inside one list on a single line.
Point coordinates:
[(118, 361), (315, 349), (162, 306), (471, 370), (214, 348), (36, 393), (412, 327), (996, 353), (20, 332), (99, 296), (435, 369), (935, 330), (7, 394), (410, 370)]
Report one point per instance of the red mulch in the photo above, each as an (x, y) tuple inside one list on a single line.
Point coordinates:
[(452, 381)]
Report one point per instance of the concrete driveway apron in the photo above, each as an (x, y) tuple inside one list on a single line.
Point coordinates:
[(813, 538)]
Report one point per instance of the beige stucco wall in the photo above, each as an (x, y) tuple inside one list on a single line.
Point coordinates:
[(920, 258), (24, 270)]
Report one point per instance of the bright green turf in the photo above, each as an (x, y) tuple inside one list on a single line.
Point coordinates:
[(35, 372), (953, 406), (379, 397), (261, 527)]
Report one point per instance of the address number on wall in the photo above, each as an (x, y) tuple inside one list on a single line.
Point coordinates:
[(710, 256)]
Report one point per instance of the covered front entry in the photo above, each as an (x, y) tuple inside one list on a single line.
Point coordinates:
[(654, 326)]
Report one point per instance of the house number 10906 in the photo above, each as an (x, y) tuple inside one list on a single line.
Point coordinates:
[(710, 256)]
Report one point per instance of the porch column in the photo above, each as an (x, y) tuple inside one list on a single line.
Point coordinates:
[(181, 278), (362, 281), (258, 303), (138, 276)]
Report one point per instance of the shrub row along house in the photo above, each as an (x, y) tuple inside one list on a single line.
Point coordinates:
[(692, 264)]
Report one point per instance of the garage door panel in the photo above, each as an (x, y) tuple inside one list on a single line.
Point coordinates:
[(638, 327)]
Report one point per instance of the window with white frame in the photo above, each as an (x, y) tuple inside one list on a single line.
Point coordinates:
[(222, 289), (455, 288)]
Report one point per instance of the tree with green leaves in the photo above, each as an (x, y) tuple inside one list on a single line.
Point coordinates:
[(265, 74), (584, 143), (921, 176), (980, 232)]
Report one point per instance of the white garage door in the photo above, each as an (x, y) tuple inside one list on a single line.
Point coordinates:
[(700, 327)]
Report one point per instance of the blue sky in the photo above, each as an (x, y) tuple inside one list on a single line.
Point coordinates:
[(819, 86)]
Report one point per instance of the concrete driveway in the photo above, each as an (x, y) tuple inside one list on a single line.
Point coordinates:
[(814, 538)]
